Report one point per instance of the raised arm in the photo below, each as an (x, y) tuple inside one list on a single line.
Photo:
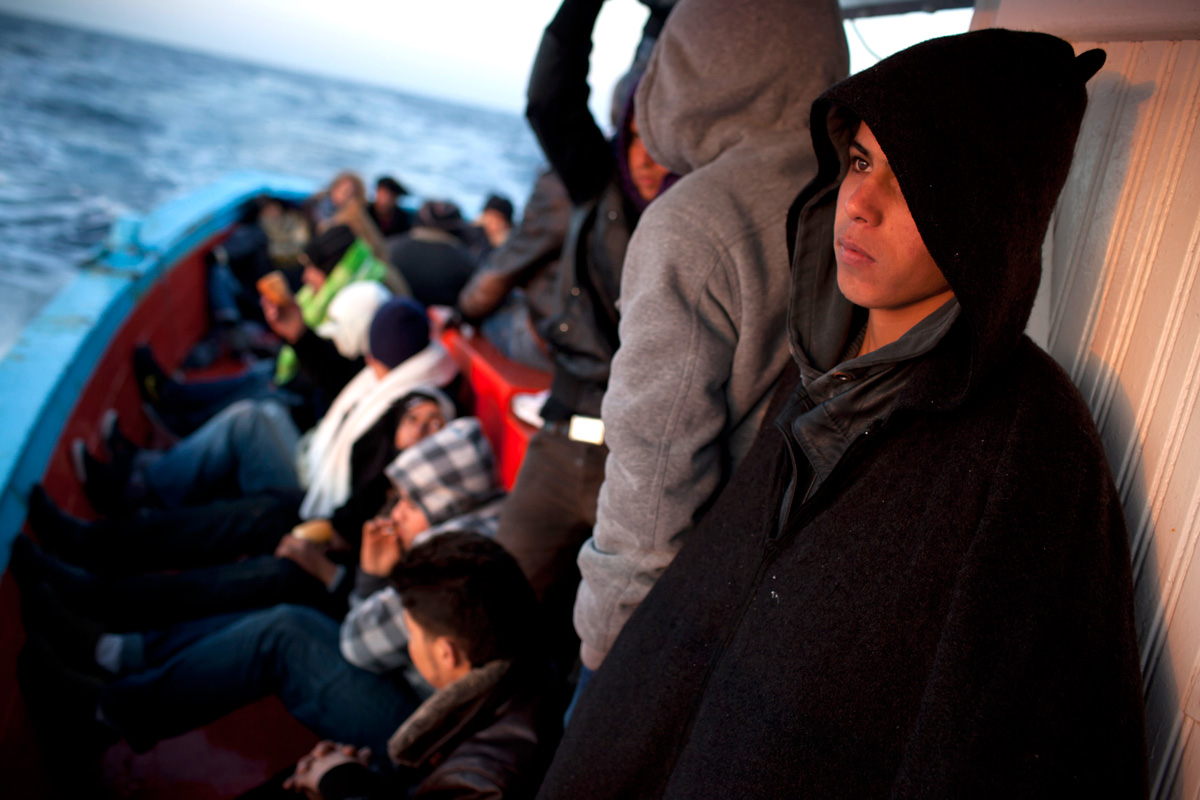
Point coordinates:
[(558, 102)]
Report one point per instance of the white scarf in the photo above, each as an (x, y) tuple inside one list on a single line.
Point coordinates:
[(357, 407)]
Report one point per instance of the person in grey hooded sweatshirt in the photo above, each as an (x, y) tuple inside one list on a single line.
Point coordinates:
[(724, 103)]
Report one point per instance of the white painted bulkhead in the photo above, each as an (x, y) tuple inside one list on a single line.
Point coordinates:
[(1119, 308)]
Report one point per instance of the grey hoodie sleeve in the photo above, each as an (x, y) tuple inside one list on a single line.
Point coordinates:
[(664, 414)]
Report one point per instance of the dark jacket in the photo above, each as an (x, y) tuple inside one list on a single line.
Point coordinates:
[(582, 334), (435, 263), (528, 258), (398, 220), (488, 735), (939, 605)]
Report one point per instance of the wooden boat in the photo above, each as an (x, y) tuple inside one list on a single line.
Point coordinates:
[(72, 363)]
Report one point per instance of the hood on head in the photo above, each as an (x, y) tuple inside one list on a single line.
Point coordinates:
[(449, 473), (426, 392), (621, 153), (980, 130), (348, 321), (724, 69)]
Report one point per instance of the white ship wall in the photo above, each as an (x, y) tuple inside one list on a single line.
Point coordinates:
[(1120, 310)]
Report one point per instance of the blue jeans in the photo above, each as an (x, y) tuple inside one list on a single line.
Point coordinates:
[(207, 669), (154, 600), (186, 405), (248, 448)]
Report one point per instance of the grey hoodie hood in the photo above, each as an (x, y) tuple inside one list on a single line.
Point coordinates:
[(725, 70)]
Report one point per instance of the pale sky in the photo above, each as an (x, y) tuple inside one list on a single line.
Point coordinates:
[(474, 51)]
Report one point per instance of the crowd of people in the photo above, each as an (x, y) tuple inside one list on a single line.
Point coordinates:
[(806, 511)]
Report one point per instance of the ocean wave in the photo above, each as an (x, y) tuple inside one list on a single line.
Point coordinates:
[(96, 126)]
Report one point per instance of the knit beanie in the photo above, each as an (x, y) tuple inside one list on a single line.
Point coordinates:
[(326, 250), (430, 394), (399, 330), (392, 185)]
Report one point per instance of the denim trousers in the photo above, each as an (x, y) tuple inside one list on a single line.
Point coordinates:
[(199, 671), (182, 538), (247, 448)]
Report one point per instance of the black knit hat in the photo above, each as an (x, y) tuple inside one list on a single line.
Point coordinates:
[(979, 130), (326, 250), (399, 330)]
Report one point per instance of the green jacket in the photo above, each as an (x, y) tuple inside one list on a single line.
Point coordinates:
[(358, 264)]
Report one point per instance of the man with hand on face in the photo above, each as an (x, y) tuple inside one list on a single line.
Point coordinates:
[(488, 731), (918, 582)]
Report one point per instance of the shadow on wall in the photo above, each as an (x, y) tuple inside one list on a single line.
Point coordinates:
[(1113, 314), (1154, 649)]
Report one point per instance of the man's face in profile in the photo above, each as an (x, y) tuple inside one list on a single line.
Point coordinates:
[(882, 261)]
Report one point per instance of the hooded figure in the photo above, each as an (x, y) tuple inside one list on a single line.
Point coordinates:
[(610, 184), (724, 103), (918, 582)]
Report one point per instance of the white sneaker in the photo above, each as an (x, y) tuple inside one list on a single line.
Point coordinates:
[(528, 407)]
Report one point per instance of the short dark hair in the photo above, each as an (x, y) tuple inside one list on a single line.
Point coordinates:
[(466, 586), (501, 205), (392, 185)]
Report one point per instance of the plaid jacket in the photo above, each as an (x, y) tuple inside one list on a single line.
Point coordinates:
[(373, 635), (449, 473)]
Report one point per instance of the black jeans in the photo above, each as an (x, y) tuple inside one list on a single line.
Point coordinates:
[(224, 551), (547, 517)]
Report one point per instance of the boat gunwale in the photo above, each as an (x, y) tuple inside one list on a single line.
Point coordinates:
[(44, 373)]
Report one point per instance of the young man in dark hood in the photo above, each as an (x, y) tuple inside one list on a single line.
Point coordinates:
[(918, 583)]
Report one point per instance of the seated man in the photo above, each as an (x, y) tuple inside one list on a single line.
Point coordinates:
[(388, 216), (433, 257), (917, 584), (491, 228), (492, 725)]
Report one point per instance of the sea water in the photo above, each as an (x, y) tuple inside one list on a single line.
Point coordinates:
[(94, 126)]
